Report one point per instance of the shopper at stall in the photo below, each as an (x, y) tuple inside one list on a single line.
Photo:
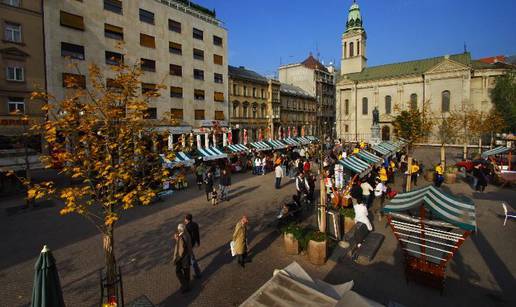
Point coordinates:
[(278, 171), (208, 182), (225, 183), (414, 172), (366, 193), (199, 173), (439, 178)]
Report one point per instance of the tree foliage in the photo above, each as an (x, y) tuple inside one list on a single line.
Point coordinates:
[(503, 96), (413, 124)]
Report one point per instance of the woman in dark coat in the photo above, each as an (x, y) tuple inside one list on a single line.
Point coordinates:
[(480, 174), (208, 185)]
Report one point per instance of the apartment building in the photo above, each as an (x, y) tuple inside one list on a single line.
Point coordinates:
[(180, 45), (22, 72), (298, 111)]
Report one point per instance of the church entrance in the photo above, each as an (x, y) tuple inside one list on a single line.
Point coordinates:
[(386, 133)]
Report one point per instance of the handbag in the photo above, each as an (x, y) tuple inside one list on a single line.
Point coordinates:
[(232, 247)]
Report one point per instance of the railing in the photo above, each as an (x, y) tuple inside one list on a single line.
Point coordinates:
[(194, 11)]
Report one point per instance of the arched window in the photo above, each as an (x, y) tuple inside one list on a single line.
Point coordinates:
[(413, 101), (246, 107), (351, 49), (263, 111), (364, 106), (235, 109), (388, 106), (445, 101), (358, 47), (344, 51), (254, 110), (346, 106)]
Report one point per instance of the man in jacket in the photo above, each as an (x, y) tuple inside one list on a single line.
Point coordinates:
[(225, 183), (182, 257), (193, 230), (240, 240), (278, 170), (302, 186), (208, 185)]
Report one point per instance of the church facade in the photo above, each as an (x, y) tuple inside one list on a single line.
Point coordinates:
[(444, 84)]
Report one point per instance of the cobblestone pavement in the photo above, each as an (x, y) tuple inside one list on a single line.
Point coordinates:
[(481, 274)]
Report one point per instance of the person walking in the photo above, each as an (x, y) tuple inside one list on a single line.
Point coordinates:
[(193, 230), (278, 170), (240, 240), (380, 191), (414, 172), (199, 172), (366, 193), (383, 174), (356, 192), (439, 171), (208, 182), (258, 165), (306, 166), (264, 165), (182, 257), (225, 183), (479, 174), (302, 186)]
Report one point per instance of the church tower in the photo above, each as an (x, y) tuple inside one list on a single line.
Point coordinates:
[(353, 57)]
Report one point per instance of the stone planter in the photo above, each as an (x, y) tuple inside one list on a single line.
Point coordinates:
[(450, 178), (317, 252), (348, 224), (429, 175), (291, 244)]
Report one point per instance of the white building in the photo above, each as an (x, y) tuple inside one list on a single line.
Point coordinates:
[(182, 46), (445, 83)]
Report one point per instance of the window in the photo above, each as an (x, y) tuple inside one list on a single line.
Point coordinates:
[(198, 34), (219, 115), (12, 32), (198, 94), (114, 6), (218, 59), (72, 21), (113, 32), (388, 104), (146, 16), (254, 91), (176, 70), (14, 73), (217, 41), (72, 51), (16, 105), (175, 48), (235, 109), (245, 90), (149, 88), (12, 2), (218, 78), (254, 111), (176, 113), (346, 128), (198, 54), (148, 65), (114, 58), (351, 49), (245, 115), (199, 114), (413, 101), (346, 107), (445, 101), (151, 113), (218, 96), (364, 106), (176, 92), (345, 45), (174, 26), (358, 47), (198, 74), (113, 84), (74, 80), (147, 41), (235, 89), (263, 93)]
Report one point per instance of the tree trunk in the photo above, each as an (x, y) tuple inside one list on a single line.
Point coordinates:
[(409, 171), (443, 155), (109, 257), (322, 226), (480, 145), (465, 151)]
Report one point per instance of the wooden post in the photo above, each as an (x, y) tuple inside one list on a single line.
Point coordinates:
[(322, 207), (409, 173), (443, 155)]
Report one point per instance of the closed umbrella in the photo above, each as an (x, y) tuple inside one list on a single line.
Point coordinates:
[(46, 291)]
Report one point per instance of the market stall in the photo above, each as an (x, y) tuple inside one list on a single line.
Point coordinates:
[(356, 165), (291, 142), (238, 148), (369, 157), (178, 168), (430, 226), (238, 157), (312, 138), (302, 140), (211, 153), (277, 145), (261, 146)]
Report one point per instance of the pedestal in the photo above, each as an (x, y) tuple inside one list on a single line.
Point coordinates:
[(375, 135)]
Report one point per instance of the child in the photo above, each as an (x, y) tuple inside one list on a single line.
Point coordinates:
[(214, 198)]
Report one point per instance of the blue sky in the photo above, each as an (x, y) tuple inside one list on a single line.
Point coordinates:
[(264, 33)]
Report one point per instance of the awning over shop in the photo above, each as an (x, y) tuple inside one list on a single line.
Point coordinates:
[(277, 144), (354, 164), (303, 140), (381, 150), (459, 212), (211, 153), (180, 158), (495, 151), (312, 138), (291, 141), (369, 157), (237, 148), (260, 146)]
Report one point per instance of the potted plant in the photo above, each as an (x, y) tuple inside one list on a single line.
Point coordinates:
[(348, 215), (292, 233), (450, 174), (317, 247)]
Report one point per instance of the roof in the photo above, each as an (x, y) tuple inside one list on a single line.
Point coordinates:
[(313, 63), (496, 151), (293, 90), (403, 69), (246, 74), (479, 64)]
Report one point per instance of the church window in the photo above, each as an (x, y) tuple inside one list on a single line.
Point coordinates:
[(364, 106), (346, 106), (445, 101), (351, 47), (345, 45), (388, 101), (413, 101), (358, 47)]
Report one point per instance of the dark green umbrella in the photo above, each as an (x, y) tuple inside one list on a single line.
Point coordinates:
[(46, 291)]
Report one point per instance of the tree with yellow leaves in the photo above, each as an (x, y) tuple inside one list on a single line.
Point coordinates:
[(101, 138)]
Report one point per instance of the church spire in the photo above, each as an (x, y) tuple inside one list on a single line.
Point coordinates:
[(354, 21)]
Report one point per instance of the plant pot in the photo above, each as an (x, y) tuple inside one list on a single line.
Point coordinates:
[(348, 224), (429, 175), (291, 244), (317, 252), (450, 178)]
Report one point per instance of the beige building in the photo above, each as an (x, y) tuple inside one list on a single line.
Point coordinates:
[(182, 46), (317, 80), (22, 67), (298, 111), (444, 83)]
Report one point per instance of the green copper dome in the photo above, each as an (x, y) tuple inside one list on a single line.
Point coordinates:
[(354, 18)]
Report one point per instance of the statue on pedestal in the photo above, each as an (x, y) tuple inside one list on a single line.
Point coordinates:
[(375, 128), (376, 116)]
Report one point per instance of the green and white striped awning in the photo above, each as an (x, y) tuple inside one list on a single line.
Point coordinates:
[(277, 144), (354, 164), (180, 158), (369, 157), (303, 140), (495, 151), (312, 138), (381, 150), (459, 212), (236, 148), (260, 146), (291, 141), (211, 153)]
